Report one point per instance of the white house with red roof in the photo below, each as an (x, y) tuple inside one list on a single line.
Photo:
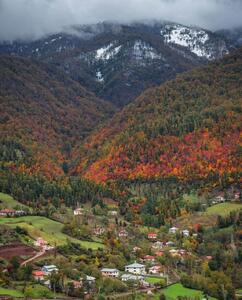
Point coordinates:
[(38, 275), (152, 236), (149, 259)]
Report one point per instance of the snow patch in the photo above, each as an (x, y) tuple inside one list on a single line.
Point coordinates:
[(99, 76), (193, 39), (107, 52)]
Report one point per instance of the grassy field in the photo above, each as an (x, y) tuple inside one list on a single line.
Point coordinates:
[(209, 217), (176, 290), (223, 209), (12, 293), (7, 201), (47, 229), (154, 280)]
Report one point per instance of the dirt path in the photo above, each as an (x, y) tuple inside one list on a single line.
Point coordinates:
[(24, 263)]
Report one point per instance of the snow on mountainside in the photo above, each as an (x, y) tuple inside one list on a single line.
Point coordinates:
[(118, 62), (196, 40), (144, 51)]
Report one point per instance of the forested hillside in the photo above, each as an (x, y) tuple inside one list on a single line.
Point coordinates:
[(188, 128), (43, 114)]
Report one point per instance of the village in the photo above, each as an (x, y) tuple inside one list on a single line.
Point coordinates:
[(135, 258)]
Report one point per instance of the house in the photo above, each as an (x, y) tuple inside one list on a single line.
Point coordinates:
[(127, 277), (218, 199), (78, 212), (49, 269), (90, 279), (135, 268), (152, 236), (77, 284), (186, 233), (38, 275), (182, 252), (159, 253), (110, 272), (155, 270), (209, 257), (237, 196), (7, 212), (40, 242), (136, 249), (11, 212), (157, 245), (20, 213), (98, 231), (173, 230), (170, 244), (123, 233), (196, 226), (113, 213), (149, 259)]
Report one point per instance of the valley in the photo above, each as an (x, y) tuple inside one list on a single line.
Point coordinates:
[(120, 164)]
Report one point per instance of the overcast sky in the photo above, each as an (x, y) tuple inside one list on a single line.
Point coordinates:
[(31, 19)]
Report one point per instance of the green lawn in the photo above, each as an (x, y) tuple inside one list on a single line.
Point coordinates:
[(47, 229), (7, 201), (176, 290), (154, 280), (37, 291), (12, 293), (223, 209)]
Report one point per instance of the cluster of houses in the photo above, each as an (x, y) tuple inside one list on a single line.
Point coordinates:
[(43, 276), (236, 196), (7, 212), (135, 272), (100, 231)]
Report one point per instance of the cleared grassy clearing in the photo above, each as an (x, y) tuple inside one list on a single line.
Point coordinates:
[(223, 209), (10, 292), (47, 229), (176, 290)]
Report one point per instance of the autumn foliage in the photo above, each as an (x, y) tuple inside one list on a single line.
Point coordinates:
[(189, 128)]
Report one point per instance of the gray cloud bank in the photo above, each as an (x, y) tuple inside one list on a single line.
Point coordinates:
[(32, 19)]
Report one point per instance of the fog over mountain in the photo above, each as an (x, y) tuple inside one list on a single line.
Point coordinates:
[(33, 19)]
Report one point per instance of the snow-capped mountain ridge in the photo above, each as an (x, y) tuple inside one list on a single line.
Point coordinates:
[(198, 41), (117, 62)]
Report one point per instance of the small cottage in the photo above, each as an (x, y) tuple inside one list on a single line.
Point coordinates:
[(173, 230), (38, 275), (49, 269), (152, 236), (107, 272)]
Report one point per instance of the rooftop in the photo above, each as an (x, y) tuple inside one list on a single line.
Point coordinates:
[(109, 270), (135, 265)]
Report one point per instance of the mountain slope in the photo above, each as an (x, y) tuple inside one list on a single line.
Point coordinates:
[(43, 114), (187, 128), (118, 62)]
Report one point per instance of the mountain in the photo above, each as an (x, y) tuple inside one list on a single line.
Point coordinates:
[(188, 128), (43, 114), (118, 62)]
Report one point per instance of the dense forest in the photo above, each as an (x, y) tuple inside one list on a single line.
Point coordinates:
[(43, 114), (188, 128)]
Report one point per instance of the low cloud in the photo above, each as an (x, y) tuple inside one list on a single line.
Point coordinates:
[(32, 19)]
